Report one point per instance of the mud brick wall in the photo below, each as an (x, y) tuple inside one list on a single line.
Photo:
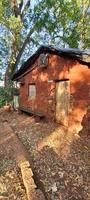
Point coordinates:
[(59, 68), (80, 96), (45, 85)]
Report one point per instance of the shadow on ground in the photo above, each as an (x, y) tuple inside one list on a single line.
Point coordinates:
[(59, 159)]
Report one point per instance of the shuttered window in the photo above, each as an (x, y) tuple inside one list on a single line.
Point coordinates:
[(32, 91)]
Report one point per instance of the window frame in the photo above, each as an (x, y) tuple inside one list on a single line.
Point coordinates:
[(31, 96)]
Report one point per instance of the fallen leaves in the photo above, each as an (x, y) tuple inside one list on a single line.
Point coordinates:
[(63, 178)]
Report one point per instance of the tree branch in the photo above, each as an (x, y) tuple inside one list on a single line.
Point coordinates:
[(25, 8), (15, 8), (26, 41)]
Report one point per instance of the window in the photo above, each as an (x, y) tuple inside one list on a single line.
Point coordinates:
[(32, 91)]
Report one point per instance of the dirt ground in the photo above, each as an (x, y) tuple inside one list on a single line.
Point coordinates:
[(60, 160), (11, 185)]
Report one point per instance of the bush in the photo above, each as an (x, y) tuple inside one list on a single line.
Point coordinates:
[(6, 94)]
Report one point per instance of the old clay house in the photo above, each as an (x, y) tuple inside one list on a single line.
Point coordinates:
[(55, 83)]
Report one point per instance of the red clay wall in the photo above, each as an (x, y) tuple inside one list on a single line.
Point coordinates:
[(80, 96), (45, 100), (59, 68)]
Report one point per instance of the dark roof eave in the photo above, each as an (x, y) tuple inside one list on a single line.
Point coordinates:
[(82, 56)]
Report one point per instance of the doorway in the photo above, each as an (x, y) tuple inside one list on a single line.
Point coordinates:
[(62, 101)]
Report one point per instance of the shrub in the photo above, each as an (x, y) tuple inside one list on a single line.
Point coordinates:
[(6, 94)]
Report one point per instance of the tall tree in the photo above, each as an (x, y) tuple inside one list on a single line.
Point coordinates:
[(61, 22)]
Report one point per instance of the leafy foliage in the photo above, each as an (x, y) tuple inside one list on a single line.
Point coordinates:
[(28, 24), (6, 94)]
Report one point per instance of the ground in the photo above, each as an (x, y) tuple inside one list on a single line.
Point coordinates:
[(59, 160), (11, 185)]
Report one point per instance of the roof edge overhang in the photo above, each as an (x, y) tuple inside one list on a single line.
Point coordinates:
[(76, 54)]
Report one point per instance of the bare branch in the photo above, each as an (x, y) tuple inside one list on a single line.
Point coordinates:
[(25, 8), (26, 41)]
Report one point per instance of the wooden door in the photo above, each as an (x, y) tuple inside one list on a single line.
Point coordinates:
[(16, 101), (62, 101)]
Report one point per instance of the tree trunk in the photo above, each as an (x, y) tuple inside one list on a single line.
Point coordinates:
[(17, 12)]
